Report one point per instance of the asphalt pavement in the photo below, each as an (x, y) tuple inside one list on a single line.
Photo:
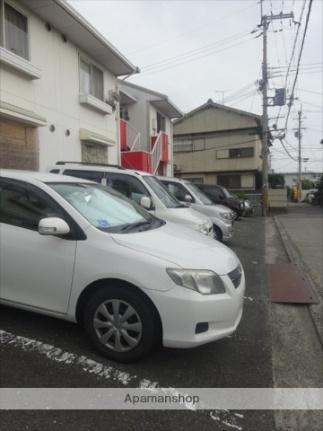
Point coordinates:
[(242, 360)]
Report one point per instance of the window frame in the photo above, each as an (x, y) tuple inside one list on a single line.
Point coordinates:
[(25, 14), (241, 156), (91, 64)]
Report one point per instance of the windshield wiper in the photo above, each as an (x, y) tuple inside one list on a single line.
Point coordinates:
[(137, 225)]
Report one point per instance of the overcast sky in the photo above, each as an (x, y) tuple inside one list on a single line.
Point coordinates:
[(196, 50)]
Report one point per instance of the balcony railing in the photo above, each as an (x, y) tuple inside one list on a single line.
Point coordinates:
[(129, 137), (135, 157)]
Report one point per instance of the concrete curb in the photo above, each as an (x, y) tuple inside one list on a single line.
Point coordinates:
[(315, 310)]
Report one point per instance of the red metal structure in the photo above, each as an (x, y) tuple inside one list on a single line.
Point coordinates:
[(154, 160)]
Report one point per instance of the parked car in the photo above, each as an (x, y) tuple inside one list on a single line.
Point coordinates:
[(221, 216), (310, 195), (143, 188), (220, 195), (247, 208), (79, 251)]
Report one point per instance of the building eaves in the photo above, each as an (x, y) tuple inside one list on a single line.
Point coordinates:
[(65, 19)]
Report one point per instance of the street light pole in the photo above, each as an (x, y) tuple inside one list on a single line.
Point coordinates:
[(264, 152), (299, 135)]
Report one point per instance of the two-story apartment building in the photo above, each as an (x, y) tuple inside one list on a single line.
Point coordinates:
[(58, 87), (146, 129), (217, 144)]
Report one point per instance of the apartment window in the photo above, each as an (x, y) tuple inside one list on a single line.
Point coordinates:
[(91, 80), (183, 146), (15, 36), (236, 153), (161, 123), (229, 181)]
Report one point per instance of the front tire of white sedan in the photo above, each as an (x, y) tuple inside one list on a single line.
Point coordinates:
[(121, 323), (217, 233)]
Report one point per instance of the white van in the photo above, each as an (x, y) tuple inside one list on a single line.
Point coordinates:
[(143, 188)]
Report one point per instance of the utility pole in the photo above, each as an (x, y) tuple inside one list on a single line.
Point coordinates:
[(299, 136), (265, 21), (264, 150)]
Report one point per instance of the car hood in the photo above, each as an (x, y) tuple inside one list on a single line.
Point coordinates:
[(185, 216), (182, 247)]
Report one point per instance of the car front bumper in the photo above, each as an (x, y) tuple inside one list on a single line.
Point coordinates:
[(182, 309)]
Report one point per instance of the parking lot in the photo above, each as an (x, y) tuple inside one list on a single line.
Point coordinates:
[(242, 360)]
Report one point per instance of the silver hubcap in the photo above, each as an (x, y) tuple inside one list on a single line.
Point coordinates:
[(117, 325)]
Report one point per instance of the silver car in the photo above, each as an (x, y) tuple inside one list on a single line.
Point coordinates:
[(185, 191)]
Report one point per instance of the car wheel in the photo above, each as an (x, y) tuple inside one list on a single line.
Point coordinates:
[(217, 233), (122, 323)]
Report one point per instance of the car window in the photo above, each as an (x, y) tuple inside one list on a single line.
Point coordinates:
[(96, 176), (162, 192), (200, 195), (178, 190), (24, 205), (127, 185)]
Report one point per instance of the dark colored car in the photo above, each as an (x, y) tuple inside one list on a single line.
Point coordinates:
[(220, 195)]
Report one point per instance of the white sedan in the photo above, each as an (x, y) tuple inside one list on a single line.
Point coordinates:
[(81, 252)]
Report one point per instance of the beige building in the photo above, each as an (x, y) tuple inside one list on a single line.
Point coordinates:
[(217, 144)]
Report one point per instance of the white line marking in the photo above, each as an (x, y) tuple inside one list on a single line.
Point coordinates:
[(249, 298), (58, 355), (87, 365), (228, 424)]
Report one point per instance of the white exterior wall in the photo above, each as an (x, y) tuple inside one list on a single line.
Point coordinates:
[(55, 95)]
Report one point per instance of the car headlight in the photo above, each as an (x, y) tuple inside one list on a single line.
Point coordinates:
[(227, 215), (203, 281), (204, 228)]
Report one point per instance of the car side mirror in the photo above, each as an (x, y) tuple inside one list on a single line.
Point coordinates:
[(145, 202), (53, 226), (188, 199)]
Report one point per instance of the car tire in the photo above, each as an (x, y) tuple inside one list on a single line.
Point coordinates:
[(217, 233), (115, 336), (237, 214)]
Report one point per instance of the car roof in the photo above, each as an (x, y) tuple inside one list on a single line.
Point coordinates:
[(173, 179), (99, 168), (38, 176)]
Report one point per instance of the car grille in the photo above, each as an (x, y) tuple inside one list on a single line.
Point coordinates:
[(235, 276)]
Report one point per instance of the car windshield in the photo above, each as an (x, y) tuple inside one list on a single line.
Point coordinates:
[(198, 193), (162, 192), (227, 194), (106, 209)]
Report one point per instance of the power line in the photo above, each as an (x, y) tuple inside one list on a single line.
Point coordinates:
[(196, 51), (293, 52), (162, 69), (191, 31), (299, 61), (310, 91)]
